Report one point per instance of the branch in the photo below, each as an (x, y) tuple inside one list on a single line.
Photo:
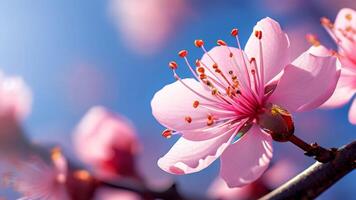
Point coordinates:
[(318, 177), (146, 193)]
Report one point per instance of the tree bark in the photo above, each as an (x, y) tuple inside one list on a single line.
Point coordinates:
[(317, 178)]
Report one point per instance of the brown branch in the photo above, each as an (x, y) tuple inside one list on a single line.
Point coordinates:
[(146, 193), (318, 177)]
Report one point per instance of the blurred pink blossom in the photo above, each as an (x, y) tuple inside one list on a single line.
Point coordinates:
[(297, 35), (278, 174), (107, 142), (145, 25), (236, 96), (15, 105), (343, 31), (15, 97), (219, 190), (111, 194), (38, 180)]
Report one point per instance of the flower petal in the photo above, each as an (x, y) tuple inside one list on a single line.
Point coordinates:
[(352, 112), (346, 19), (187, 156), (307, 83), (275, 45), (345, 89), (173, 103), (246, 160)]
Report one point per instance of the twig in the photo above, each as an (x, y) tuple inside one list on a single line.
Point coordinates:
[(146, 193), (318, 177)]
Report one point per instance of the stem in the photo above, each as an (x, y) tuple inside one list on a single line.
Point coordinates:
[(317, 178), (314, 150)]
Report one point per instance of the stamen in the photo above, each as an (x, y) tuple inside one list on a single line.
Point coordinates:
[(258, 34), (210, 120), (195, 104), (348, 16), (234, 32), (173, 65), (199, 43), (167, 133), (201, 70), (188, 119), (313, 39), (221, 43), (183, 53), (326, 22), (192, 90)]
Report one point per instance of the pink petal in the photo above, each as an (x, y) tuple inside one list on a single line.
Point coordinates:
[(245, 161), (275, 45), (16, 97), (219, 190), (342, 23), (221, 56), (107, 142), (173, 103), (187, 156), (307, 83), (345, 89), (352, 112)]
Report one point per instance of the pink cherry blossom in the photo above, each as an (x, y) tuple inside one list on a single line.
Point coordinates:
[(278, 174), (107, 142), (36, 179), (237, 98), (219, 190), (16, 97), (343, 31), (145, 25)]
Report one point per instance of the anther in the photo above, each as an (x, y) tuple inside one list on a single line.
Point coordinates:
[(348, 16), (197, 62), (221, 43), (231, 72), (210, 120), (326, 22), (183, 53), (188, 119), (313, 39), (253, 59), (198, 43), (195, 104), (201, 70), (258, 34), (234, 32), (167, 133), (215, 66), (214, 91), (173, 65), (202, 76)]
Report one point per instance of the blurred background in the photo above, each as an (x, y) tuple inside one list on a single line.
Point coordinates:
[(78, 54)]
